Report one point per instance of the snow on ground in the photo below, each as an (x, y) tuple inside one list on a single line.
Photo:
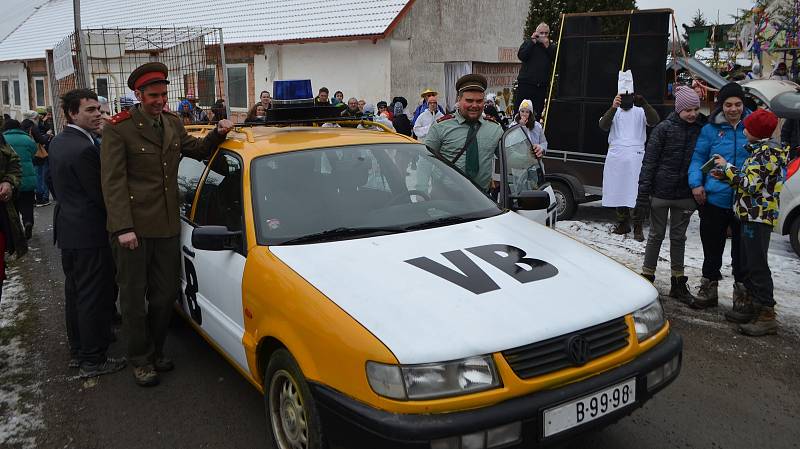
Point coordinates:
[(20, 407), (784, 263)]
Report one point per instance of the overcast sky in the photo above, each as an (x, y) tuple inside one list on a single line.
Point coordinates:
[(685, 9)]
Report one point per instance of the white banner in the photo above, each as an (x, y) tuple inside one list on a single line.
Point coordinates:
[(62, 59)]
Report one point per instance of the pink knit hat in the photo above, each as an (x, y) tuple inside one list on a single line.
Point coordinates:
[(686, 98)]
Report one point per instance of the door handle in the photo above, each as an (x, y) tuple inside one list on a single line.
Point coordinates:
[(187, 251)]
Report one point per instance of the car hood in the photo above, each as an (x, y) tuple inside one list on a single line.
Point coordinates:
[(406, 292)]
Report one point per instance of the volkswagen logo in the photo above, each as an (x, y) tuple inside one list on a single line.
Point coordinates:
[(578, 350)]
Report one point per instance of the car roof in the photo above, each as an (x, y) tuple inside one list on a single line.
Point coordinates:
[(256, 141)]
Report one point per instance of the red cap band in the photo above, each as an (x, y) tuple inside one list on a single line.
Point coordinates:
[(149, 78)]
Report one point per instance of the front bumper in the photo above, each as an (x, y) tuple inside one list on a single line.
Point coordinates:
[(354, 424)]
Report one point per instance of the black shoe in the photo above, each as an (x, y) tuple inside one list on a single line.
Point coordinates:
[(163, 364), (28, 230), (145, 376), (680, 291), (98, 369), (43, 203)]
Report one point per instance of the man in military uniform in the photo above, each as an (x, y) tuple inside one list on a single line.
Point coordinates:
[(140, 153), (465, 138)]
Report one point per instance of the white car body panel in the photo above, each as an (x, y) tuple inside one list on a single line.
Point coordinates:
[(423, 318), (219, 281)]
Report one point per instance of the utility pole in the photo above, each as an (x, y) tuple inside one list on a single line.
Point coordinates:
[(84, 75)]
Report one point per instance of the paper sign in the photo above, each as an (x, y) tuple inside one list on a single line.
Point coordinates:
[(625, 83)]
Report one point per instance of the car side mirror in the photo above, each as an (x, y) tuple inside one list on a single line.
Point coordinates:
[(216, 238), (531, 200)]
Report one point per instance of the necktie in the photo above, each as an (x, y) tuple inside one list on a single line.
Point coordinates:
[(472, 163), (158, 127)]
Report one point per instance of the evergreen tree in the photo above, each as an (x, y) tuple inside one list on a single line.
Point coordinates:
[(698, 20), (549, 11)]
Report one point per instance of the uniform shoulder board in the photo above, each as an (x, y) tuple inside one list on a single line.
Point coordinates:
[(174, 114), (121, 117), (490, 118), (444, 117)]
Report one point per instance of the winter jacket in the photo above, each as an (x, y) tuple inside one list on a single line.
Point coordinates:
[(665, 169), (25, 148), (718, 137), (420, 109), (537, 61), (790, 135), (759, 182), (402, 124), (10, 224)]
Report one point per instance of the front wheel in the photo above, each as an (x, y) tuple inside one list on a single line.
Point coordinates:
[(292, 418), (794, 234)]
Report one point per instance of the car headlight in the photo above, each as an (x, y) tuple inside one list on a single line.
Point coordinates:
[(433, 380), (648, 320)]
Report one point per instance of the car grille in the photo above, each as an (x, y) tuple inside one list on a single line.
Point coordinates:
[(552, 355)]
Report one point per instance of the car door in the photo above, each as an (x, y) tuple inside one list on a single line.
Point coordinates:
[(212, 280), (523, 172)]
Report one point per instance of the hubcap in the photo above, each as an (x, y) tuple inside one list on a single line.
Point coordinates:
[(561, 202), (287, 416)]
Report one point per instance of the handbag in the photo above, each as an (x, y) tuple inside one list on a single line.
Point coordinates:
[(41, 153)]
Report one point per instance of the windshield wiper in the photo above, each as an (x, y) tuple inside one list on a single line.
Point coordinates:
[(444, 221), (341, 233)]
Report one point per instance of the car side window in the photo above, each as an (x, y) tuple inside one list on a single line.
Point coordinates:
[(220, 200), (189, 173)]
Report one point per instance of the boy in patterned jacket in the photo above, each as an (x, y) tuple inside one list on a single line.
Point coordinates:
[(757, 186)]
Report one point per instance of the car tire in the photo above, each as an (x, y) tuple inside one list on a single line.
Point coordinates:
[(794, 234), (565, 200), (292, 417)]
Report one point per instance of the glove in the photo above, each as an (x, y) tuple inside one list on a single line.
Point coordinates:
[(643, 201), (639, 100)]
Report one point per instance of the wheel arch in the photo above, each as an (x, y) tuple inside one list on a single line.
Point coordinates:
[(578, 192)]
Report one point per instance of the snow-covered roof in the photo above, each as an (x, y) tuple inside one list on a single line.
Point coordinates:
[(242, 21)]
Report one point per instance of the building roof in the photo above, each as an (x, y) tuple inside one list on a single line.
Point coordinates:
[(242, 21)]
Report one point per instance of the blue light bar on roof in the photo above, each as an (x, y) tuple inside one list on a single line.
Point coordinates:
[(292, 92)]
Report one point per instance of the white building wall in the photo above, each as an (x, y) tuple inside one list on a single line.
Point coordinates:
[(359, 69), (10, 71)]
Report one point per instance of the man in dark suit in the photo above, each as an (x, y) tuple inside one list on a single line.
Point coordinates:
[(80, 233)]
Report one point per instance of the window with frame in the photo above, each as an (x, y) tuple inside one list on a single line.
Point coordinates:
[(189, 173), (38, 90), (6, 95), (101, 87), (17, 94), (237, 86), (206, 86), (220, 199)]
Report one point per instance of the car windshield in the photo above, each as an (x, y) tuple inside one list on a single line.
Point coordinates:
[(359, 191)]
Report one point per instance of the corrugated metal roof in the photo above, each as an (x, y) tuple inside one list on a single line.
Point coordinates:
[(242, 21)]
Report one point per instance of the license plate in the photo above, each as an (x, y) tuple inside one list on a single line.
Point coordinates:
[(588, 408)]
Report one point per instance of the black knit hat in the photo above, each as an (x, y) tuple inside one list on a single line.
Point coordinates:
[(730, 90)]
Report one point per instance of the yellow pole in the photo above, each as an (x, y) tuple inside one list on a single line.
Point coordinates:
[(553, 75), (627, 41)]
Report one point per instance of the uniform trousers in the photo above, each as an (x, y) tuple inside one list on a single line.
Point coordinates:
[(88, 285), (148, 278)]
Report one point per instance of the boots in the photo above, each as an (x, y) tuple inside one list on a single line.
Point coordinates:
[(622, 228), (650, 277), (763, 324), (679, 290), (638, 232), (743, 310), (707, 295)]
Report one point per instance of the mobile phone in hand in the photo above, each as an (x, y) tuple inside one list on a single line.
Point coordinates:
[(710, 164)]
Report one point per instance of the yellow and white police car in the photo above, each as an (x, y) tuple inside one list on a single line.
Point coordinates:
[(379, 299)]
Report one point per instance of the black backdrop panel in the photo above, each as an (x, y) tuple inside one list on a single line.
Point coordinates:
[(604, 58)]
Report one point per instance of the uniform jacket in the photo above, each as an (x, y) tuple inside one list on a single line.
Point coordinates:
[(11, 172), (759, 182), (665, 169), (718, 137), (448, 136), (140, 170), (79, 220), (25, 147)]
